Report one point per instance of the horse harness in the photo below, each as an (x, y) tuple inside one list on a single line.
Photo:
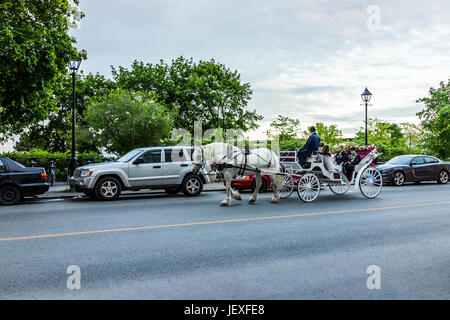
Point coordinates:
[(243, 166)]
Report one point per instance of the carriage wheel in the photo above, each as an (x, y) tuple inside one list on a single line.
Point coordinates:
[(287, 186), (338, 189), (308, 187), (371, 182)]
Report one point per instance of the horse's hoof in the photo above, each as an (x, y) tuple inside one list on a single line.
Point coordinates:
[(224, 204), (238, 198), (251, 201), (273, 201)]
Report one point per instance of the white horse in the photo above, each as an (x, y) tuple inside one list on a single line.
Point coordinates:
[(231, 160)]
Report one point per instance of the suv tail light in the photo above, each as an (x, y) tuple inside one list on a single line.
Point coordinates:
[(44, 176)]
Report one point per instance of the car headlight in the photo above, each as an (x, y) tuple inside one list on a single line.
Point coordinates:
[(85, 173)]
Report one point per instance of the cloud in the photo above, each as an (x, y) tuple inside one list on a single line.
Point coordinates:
[(306, 59)]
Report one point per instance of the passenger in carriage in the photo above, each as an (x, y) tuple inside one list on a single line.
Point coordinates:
[(312, 145), (333, 155), (341, 157), (326, 151), (353, 161)]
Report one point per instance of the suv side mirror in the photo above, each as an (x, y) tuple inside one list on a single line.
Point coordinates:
[(138, 160)]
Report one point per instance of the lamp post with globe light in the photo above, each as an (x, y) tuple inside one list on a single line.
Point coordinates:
[(74, 65), (366, 95)]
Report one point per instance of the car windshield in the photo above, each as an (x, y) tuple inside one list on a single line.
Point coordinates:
[(400, 160), (130, 155)]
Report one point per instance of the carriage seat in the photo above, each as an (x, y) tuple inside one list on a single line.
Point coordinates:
[(367, 159), (315, 157), (329, 165)]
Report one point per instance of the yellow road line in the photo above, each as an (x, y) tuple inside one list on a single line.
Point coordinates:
[(225, 221)]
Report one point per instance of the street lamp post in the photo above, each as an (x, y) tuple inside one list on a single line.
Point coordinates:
[(366, 95), (73, 66)]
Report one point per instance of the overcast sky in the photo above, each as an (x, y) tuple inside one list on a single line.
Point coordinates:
[(305, 59)]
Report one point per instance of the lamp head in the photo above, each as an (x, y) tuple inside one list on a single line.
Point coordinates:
[(74, 65), (366, 95)]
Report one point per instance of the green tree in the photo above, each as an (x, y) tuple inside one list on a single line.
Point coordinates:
[(125, 120), (412, 133), (388, 138), (205, 91), (330, 135), (55, 134), (435, 119), (34, 51), (287, 130)]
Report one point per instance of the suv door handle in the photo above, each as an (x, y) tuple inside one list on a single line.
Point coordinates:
[(156, 167), (184, 165)]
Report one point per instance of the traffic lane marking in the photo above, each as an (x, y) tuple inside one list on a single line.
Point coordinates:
[(55, 235)]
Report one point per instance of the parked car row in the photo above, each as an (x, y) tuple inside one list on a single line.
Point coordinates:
[(170, 168)]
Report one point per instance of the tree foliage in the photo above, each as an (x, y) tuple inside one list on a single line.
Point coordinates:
[(125, 120), (205, 91), (287, 130), (388, 137), (34, 51), (55, 133), (413, 134), (330, 135), (435, 119)]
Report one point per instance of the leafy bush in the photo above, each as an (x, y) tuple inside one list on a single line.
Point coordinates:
[(42, 157)]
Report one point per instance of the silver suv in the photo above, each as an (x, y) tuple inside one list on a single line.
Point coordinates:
[(168, 168)]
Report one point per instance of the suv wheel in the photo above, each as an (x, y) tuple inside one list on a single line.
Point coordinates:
[(9, 195), (107, 188), (192, 186)]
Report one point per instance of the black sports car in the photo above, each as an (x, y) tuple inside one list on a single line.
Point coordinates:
[(414, 168), (17, 181)]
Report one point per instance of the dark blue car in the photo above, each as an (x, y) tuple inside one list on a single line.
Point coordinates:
[(18, 181), (414, 168)]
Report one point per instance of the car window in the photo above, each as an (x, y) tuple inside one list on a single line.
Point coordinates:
[(431, 160), (174, 155), (400, 160), (130, 155), (418, 160), (152, 156), (2, 166)]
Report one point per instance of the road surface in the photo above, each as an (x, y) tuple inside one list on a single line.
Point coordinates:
[(173, 247)]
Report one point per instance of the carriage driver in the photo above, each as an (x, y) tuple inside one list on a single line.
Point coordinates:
[(312, 145)]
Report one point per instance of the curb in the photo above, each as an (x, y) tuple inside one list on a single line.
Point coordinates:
[(82, 194)]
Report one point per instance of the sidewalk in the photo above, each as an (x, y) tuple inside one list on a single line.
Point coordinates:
[(61, 190)]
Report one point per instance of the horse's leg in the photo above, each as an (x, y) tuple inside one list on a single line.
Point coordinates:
[(257, 186), (275, 184), (236, 195), (227, 178)]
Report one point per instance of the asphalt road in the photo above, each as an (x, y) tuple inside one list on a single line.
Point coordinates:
[(173, 247)]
